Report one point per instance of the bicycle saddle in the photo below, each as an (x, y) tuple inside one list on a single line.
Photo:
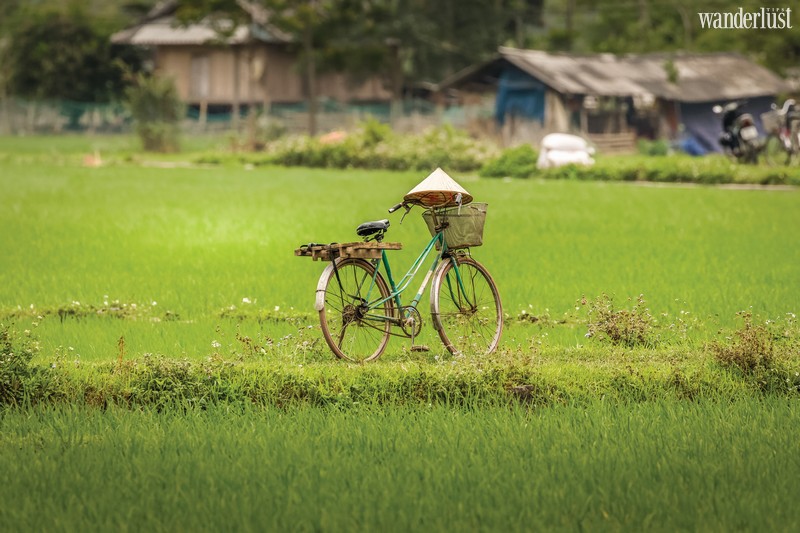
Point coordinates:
[(371, 228)]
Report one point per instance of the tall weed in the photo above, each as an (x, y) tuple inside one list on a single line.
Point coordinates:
[(750, 349), (626, 327)]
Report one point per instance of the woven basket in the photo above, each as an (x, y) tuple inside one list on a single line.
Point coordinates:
[(464, 224)]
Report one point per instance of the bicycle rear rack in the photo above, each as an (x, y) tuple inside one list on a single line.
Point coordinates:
[(360, 250)]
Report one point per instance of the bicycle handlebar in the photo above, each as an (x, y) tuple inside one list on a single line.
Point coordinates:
[(787, 106), (395, 208)]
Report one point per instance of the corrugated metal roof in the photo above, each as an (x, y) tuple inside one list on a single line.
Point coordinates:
[(700, 77), (163, 32)]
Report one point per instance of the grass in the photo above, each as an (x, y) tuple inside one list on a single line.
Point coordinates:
[(659, 466), (179, 381)]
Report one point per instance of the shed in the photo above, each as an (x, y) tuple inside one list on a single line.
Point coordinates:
[(596, 95)]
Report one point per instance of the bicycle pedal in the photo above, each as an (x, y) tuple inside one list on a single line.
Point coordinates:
[(420, 348)]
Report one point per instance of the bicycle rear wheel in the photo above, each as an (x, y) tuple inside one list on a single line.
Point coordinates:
[(352, 330), (465, 307)]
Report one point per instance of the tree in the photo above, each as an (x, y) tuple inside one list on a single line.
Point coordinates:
[(56, 55), (157, 111)]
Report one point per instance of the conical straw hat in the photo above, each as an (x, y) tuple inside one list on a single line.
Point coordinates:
[(438, 189)]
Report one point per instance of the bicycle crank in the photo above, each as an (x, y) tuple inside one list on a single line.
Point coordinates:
[(410, 321)]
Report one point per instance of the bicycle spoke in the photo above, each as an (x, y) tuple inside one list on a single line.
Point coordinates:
[(467, 309), (352, 330)]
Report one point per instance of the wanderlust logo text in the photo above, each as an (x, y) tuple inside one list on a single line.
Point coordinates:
[(766, 18)]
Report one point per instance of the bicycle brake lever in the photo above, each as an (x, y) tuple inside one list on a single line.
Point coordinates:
[(408, 208)]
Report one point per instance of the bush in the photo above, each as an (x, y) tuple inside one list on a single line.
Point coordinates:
[(518, 162), (375, 146), (708, 170), (657, 147), (157, 111)]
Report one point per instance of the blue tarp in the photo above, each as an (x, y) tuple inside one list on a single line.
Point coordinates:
[(704, 127), (519, 94)]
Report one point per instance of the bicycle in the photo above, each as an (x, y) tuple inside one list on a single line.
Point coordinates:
[(783, 134), (359, 308)]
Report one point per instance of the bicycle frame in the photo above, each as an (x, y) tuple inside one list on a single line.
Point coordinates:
[(397, 288)]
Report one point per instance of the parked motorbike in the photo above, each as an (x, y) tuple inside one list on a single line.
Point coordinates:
[(739, 136)]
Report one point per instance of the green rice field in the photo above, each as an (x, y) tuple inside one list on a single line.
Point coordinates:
[(185, 242), (178, 380), (655, 466)]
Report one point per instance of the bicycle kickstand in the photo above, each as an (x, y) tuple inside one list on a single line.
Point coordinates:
[(418, 347)]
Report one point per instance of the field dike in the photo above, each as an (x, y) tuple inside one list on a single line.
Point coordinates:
[(627, 359), (558, 377)]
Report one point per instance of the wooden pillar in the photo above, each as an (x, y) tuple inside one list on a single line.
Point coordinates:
[(203, 118), (236, 89)]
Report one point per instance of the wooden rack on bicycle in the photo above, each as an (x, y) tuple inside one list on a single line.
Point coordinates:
[(361, 250)]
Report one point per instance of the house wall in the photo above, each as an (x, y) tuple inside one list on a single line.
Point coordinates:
[(265, 74), (211, 74), (284, 83)]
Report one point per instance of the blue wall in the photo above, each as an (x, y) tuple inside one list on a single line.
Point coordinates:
[(519, 94)]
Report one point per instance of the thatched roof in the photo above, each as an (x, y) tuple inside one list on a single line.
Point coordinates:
[(160, 27), (681, 76)]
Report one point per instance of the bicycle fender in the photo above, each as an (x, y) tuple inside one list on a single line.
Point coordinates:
[(319, 301)]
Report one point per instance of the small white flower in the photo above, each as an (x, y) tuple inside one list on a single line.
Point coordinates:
[(277, 308), (246, 300), (215, 344), (155, 303)]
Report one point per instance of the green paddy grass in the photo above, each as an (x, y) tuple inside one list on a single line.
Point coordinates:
[(708, 466), (185, 241)]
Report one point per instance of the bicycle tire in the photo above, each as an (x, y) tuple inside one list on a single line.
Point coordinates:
[(468, 316), (347, 328), (775, 152)]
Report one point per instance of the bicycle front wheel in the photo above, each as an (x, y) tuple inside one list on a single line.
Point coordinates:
[(353, 330), (465, 307)]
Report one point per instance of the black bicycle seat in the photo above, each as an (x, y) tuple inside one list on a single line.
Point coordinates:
[(371, 228)]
